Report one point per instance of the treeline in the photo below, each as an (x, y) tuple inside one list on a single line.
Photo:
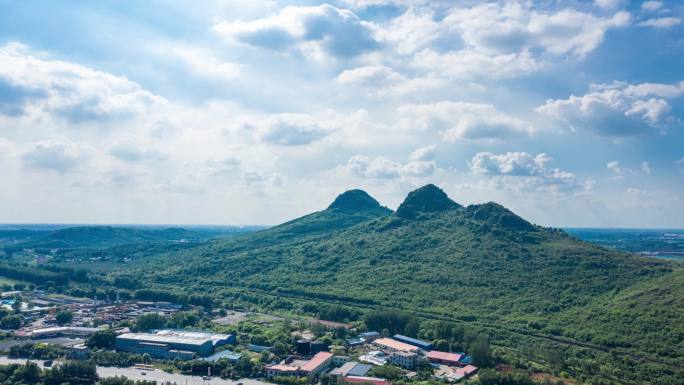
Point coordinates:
[(34, 275)]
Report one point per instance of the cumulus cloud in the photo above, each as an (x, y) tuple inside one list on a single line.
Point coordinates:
[(523, 171), (468, 63), (617, 109), (651, 6), (66, 90), (292, 129), (513, 27), (461, 120), (380, 80), (56, 155), (660, 22), (421, 164), (314, 31), (426, 153)]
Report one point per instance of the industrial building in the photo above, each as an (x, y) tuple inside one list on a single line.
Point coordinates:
[(164, 346), (351, 368), (406, 360), (413, 341), (63, 331), (217, 339), (444, 358), (389, 345)]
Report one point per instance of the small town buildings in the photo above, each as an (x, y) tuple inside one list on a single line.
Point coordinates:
[(444, 358), (406, 360), (319, 363), (391, 345), (413, 341), (375, 357)]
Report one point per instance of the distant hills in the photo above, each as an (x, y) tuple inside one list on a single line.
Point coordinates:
[(73, 237)]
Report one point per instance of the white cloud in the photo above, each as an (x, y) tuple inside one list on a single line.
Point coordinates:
[(645, 167), (380, 80), (661, 22), (523, 172), (512, 27), (617, 109), (68, 91), (461, 120), (56, 155), (317, 31), (421, 164), (651, 6), (371, 76), (614, 167), (468, 64), (426, 153), (292, 129)]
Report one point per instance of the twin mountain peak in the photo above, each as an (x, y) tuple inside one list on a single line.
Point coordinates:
[(424, 200)]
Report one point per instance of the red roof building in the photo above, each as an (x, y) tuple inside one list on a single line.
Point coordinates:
[(394, 345), (444, 358)]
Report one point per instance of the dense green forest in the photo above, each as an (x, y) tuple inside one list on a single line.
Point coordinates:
[(537, 293)]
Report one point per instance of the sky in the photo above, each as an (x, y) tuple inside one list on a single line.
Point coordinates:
[(567, 112)]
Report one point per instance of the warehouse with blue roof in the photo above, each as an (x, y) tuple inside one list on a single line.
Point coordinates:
[(413, 341)]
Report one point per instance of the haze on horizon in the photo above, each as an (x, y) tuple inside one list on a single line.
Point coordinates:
[(256, 112)]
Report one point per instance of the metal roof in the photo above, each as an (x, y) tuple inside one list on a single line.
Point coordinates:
[(170, 339)]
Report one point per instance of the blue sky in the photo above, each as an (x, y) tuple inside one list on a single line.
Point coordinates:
[(255, 112)]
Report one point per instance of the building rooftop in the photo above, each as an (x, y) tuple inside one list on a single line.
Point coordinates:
[(147, 337), (444, 356), (316, 361), (394, 344), (412, 341), (360, 370), (344, 369)]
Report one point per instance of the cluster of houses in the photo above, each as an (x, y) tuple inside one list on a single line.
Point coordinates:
[(405, 352)]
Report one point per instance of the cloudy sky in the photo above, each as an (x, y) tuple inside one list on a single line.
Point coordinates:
[(254, 112)]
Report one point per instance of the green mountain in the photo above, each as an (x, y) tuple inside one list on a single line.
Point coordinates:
[(480, 265)]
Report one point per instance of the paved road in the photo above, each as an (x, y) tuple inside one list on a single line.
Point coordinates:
[(150, 375)]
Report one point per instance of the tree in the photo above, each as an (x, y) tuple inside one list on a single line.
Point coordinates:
[(11, 322), (64, 317), (481, 352), (16, 304), (149, 321), (104, 339)]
